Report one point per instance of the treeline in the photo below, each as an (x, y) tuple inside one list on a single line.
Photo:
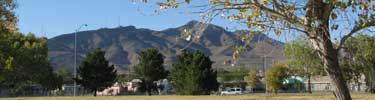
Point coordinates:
[(191, 74), (356, 59)]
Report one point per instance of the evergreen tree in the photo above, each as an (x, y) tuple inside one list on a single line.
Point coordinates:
[(95, 73), (192, 74), (150, 68)]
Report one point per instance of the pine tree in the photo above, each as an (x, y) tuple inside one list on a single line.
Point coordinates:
[(150, 68), (192, 74), (95, 74)]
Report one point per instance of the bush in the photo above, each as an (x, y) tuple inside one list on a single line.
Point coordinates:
[(275, 76), (252, 79)]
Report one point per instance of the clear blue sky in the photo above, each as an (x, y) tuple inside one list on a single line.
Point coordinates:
[(50, 18), (55, 17)]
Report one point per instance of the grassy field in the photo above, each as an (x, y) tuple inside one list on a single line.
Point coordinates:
[(315, 96)]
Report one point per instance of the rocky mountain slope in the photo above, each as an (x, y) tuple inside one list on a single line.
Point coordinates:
[(122, 44)]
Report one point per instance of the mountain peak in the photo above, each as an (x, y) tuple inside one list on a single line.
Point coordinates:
[(130, 27), (193, 22)]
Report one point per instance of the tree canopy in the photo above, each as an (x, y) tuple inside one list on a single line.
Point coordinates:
[(252, 78), (95, 73), (150, 68), (8, 19), (237, 74), (303, 60), (23, 58), (359, 59), (192, 74), (275, 76), (24, 62)]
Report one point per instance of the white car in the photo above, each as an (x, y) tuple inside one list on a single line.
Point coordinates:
[(232, 91)]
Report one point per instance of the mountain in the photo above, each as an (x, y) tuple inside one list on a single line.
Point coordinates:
[(122, 45)]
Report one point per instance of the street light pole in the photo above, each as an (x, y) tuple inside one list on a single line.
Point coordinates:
[(75, 57), (264, 72)]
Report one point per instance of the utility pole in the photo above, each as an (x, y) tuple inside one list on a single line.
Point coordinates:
[(75, 58), (264, 72)]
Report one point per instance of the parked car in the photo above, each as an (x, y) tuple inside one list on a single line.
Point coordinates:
[(232, 91)]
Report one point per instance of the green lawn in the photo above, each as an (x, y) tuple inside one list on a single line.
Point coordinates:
[(315, 96)]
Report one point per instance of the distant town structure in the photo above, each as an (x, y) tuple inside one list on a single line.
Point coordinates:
[(323, 84)]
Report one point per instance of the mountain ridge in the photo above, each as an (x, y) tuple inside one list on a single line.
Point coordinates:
[(122, 45)]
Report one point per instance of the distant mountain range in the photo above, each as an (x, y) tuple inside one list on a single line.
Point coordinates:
[(122, 45)]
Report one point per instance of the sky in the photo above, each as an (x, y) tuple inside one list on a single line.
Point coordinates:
[(50, 18)]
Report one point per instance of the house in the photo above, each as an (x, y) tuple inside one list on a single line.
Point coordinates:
[(121, 88)]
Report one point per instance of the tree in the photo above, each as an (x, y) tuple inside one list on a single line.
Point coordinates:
[(8, 19), (358, 60), (319, 20), (23, 58), (150, 68), (232, 75), (352, 71), (252, 78), (275, 76), (95, 73), (67, 77), (52, 80), (192, 74), (303, 60), (7, 23), (25, 62)]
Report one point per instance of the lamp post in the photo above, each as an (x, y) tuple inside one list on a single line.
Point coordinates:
[(264, 72), (75, 56)]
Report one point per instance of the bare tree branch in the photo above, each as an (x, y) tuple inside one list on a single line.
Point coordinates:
[(356, 28)]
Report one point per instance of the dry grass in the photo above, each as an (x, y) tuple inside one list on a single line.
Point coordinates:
[(315, 96)]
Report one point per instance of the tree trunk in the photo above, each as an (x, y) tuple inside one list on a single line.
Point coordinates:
[(317, 18), (308, 76), (329, 57), (309, 84), (358, 86), (148, 92), (95, 93)]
